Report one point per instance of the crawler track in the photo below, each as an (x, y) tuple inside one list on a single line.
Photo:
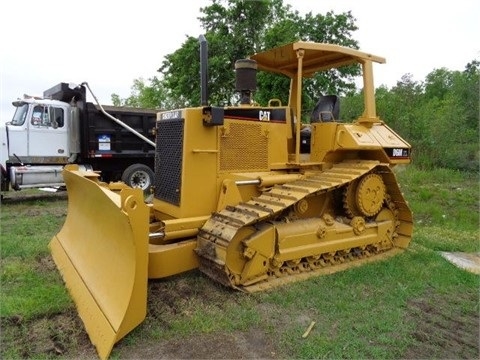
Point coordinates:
[(224, 241)]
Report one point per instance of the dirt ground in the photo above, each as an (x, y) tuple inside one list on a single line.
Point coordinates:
[(442, 334), (247, 345)]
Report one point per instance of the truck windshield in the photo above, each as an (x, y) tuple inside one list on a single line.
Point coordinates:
[(20, 115)]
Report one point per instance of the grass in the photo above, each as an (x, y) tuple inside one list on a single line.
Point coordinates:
[(443, 198), (364, 312), (414, 305), (30, 292), (29, 286)]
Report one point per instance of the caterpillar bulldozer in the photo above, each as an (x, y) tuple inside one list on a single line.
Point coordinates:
[(247, 194)]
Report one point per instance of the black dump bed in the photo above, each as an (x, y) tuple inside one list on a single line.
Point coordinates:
[(102, 137)]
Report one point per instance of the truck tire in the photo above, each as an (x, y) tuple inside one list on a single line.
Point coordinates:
[(138, 176)]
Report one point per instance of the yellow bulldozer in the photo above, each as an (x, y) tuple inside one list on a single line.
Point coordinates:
[(249, 194)]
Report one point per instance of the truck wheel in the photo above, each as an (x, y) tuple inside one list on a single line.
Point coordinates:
[(138, 176)]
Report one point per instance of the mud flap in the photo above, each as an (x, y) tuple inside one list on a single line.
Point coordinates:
[(102, 253)]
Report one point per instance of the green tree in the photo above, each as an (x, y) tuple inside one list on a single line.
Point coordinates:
[(152, 95), (238, 28), (439, 117), (454, 126)]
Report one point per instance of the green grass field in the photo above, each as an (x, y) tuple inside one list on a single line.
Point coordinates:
[(413, 305)]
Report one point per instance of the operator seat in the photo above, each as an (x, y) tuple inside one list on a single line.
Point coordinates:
[(326, 109)]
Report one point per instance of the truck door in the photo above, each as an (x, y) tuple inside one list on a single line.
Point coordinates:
[(17, 131), (48, 132)]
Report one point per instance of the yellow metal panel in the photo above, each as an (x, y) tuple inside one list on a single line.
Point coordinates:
[(199, 189), (101, 252), (99, 329), (316, 57), (253, 146), (171, 259), (243, 147), (386, 137)]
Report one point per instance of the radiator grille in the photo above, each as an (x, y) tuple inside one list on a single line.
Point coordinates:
[(168, 160), (244, 148)]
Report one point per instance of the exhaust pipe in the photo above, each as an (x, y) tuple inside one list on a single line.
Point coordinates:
[(203, 70)]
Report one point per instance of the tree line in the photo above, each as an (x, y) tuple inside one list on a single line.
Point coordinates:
[(438, 116)]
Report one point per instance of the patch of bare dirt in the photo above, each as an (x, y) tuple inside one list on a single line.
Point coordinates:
[(57, 336), (45, 263), (12, 197), (251, 344), (171, 299), (443, 329), (182, 294)]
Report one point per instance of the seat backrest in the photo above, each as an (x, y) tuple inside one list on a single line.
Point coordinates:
[(326, 109)]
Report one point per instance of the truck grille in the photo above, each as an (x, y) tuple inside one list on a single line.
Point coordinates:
[(168, 160)]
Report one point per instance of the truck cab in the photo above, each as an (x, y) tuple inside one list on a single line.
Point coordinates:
[(38, 131), (38, 143)]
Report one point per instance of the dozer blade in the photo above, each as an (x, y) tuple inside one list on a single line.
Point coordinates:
[(102, 254)]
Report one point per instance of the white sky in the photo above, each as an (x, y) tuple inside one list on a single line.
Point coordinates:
[(110, 43)]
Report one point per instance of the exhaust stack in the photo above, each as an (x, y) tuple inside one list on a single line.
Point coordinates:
[(203, 70)]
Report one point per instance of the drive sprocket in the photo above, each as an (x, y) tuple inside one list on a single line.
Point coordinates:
[(370, 194)]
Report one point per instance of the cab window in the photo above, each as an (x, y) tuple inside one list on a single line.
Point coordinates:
[(20, 115), (47, 116), (39, 116), (56, 117)]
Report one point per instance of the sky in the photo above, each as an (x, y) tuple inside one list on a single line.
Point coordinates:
[(109, 43)]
